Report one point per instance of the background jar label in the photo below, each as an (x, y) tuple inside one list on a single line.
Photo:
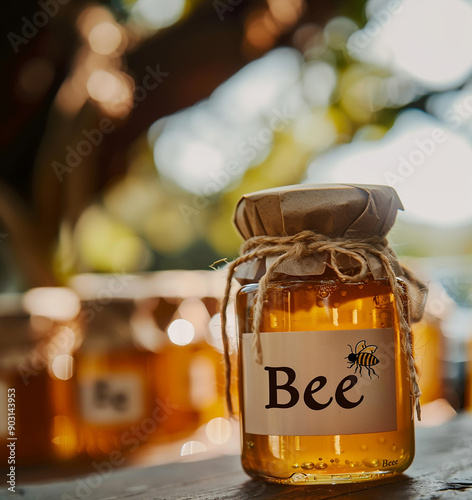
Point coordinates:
[(114, 398), (321, 383)]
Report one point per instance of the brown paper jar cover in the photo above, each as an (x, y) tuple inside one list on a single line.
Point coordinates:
[(348, 211), (335, 210)]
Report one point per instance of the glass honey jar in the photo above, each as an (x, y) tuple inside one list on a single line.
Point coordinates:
[(29, 384), (119, 409), (327, 382), (39, 331)]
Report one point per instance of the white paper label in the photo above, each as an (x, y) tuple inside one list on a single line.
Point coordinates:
[(321, 383), (115, 398)]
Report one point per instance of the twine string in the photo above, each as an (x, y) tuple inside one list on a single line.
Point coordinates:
[(309, 243)]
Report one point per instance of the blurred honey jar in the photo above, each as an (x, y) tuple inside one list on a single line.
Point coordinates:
[(114, 380), (450, 301), (39, 332), (145, 370), (187, 310), (429, 346)]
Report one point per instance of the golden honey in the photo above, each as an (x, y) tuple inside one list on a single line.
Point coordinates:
[(293, 305), (119, 406), (428, 349)]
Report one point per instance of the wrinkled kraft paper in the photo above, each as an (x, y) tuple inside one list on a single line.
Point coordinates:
[(335, 210)]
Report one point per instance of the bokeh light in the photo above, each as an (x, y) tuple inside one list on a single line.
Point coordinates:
[(192, 448), (59, 304), (63, 366), (145, 332), (113, 91), (337, 32), (218, 430), (105, 38), (441, 58), (157, 14), (319, 82), (181, 332), (194, 310)]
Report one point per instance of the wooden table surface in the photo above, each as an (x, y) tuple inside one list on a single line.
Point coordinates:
[(442, 470)]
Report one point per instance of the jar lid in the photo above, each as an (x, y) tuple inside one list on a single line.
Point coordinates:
[(335, 210), (29, 317)]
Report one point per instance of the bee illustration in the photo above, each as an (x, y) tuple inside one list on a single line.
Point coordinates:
[(362, 356)]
